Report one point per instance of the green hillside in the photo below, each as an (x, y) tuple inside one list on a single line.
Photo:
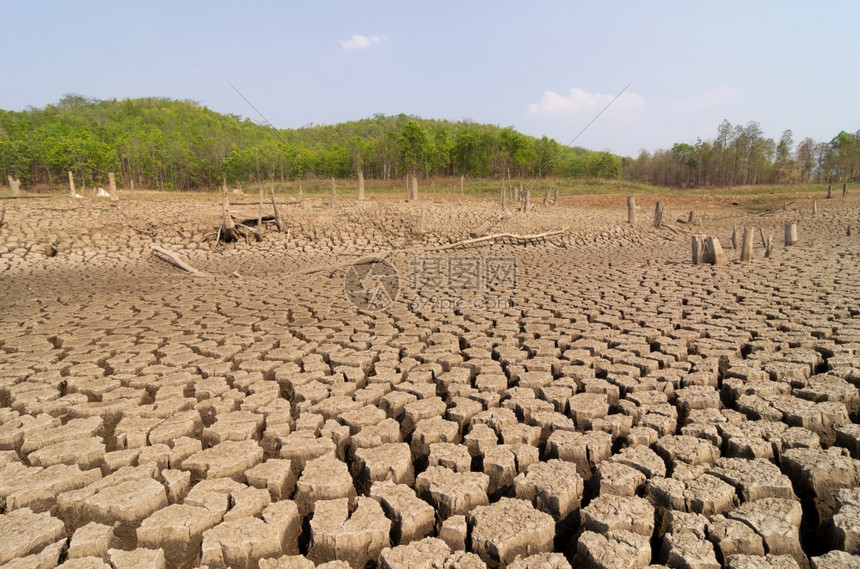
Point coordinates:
[(170, 144)]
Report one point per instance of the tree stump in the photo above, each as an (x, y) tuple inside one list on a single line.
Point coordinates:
[(848, 231), (790, 232), (735, 237), (698, 243), (658, 214), (72, 192), (713, 252), (360, 185), (227, 231), (555, 196), (527, 198), (301, 193), (814, 207), (631, 210), (546, 198), (829, 191), (14, 185), (761, 235), (333, 198), (114, 196), (504, 194), (747, 246), (768, 247), (279, 222), (462, 179), (844, 190)]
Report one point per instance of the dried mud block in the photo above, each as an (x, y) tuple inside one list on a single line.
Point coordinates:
[(224, 460), (584, 408), (247, 502), (500, 465), (433, 430), (303, 446), (846, 520), (766, 562), (820, 474), (38, 488), (541, 561), (387, 462), (140, 558), (689, 552), (509, 528), (23, 533), (709, 495), (848, 436), (384, 432), (421, 409), (356, 538), (234, 426), (697, 398), (176, 425), (454, 532), (610, 513), (835, 560), (480, 438), (324, 478), (358, 419), (642, 459), (452, 493), (777, 522), (91, 540), (619, 479), (412, 518), (463, 560), (178, 531), (826, 387), (617, 549), (732, 537), (425, 554), (275, 475), (690, 450), (586, 451), (158, 454), (553, 487), (86, 453), (453, 456), (754, 479), (288, 562), (128, 495), (47, 558), (241, 543)]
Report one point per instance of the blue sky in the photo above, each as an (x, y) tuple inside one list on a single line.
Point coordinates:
[(542, 67)]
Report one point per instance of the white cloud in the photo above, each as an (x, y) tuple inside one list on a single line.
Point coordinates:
[(579, 102), (716, 98), (359, 41)]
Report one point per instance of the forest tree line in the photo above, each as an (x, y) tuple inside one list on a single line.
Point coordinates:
[(170, 144), (742, 155)]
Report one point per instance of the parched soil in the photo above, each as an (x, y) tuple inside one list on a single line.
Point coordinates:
[(587, 399)]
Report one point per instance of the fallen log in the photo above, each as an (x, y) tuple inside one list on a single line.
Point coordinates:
[(173, 258)]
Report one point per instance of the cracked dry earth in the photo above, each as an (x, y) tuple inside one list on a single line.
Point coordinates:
[(629, 410)]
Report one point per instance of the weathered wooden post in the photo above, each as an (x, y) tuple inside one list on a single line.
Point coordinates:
[(747, 246), (790, 232), (844, 190), (814, 207), (631, 210), (691, 218), (503, 195), (546, 198), (735, 237), (768, 247), (462, 179), (698, 242), (829, 191), (114, 195), (555, 196), (333, 199), (360, 185), (414, 187), (658, 214), (527, 198), (72, 192), (848, 231)]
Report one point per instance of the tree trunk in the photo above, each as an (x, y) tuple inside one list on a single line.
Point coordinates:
[(658, 214), (527, 198), (555, 197), (360, 185), (713, 252), (698, 243), (631, 210), (829, 191), (72, 192), (114, 196), (14, 185), (462, 178)]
